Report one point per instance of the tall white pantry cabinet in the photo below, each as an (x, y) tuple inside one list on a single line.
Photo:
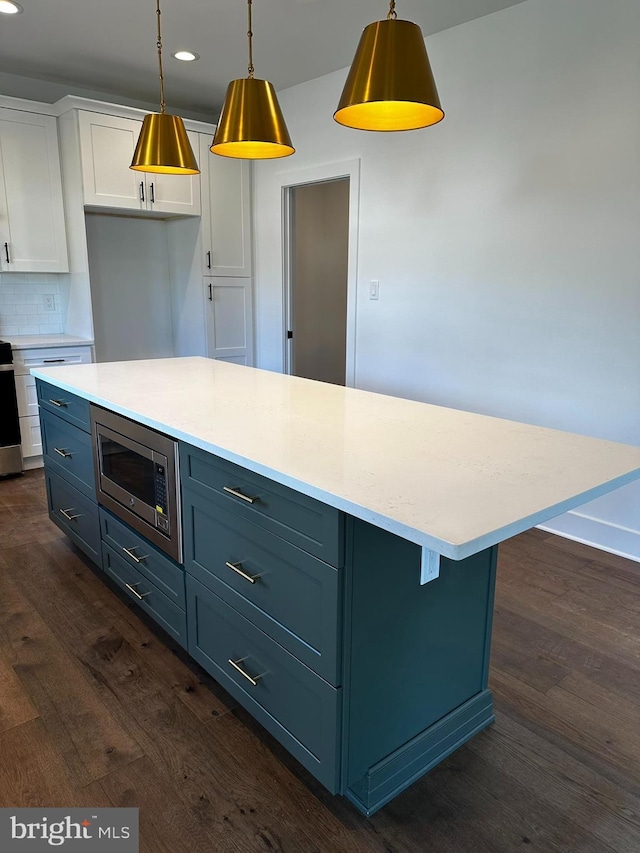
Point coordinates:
[(227, 255)]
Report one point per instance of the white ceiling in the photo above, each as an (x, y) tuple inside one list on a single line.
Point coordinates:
[(109, 45)]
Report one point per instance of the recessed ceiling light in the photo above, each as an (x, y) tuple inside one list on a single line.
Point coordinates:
[(185, 55), (8, 7)]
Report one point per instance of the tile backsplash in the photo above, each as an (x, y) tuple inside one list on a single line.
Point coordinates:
[(31, 304)]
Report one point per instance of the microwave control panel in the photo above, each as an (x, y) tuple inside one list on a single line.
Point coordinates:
[(162, 517)]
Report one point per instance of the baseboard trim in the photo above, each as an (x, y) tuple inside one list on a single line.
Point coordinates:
[(603, 535), (386, 779)]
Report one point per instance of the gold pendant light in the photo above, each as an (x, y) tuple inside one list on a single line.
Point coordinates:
[(163, 145), (390, 85), (251, 124)]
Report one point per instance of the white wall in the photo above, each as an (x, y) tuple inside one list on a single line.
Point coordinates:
[(130, 287), (506, 239)]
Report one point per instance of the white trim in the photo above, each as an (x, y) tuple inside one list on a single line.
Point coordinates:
[(603, 535), (327, 172), (75, 102), (26, 106)]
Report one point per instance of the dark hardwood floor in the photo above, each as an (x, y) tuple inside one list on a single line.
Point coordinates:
[(98, 708)]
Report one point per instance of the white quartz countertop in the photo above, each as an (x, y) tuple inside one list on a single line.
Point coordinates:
[(55, 340), (451, 481)]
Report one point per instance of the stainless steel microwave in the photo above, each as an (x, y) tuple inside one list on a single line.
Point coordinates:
[(137, 478)]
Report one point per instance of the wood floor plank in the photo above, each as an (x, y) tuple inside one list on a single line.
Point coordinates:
[(201, 695), (588, 799), (84, 732), (33, 773), (15, 705), (610, 745), (165, 825)]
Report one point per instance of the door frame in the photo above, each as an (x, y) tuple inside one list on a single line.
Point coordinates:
[(316, 175)]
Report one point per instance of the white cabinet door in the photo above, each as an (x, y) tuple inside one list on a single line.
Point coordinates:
[(108, 144), (32, 227), (229, 316), (175, 193), (27, 396), (30, 436), (226, 213)]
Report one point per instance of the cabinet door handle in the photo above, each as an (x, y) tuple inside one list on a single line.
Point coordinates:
[(141, 190), (208, 259), (59, 403), (238, 494), (254, 679), (152, 193), (134, 557), (237, 568), (6, 253), (210, 292), (53, 360), (67, 514), (64, 453), (135, 591)]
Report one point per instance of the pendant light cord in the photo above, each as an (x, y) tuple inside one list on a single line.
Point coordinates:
[(250, 37), (392, 14), (159, 45)]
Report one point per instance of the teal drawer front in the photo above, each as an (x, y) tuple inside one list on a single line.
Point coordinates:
[(68, 451), (68, 406), (143, 556), (301, 520), (294, 597), (167, 614), (75, 514), (298, 707)]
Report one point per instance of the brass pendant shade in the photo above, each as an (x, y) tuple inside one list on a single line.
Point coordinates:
[(390, 85), (251, 124), (163, 147)]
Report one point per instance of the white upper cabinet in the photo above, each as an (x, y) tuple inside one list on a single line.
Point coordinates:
[(226, 213), (107, 144), (32, 226)]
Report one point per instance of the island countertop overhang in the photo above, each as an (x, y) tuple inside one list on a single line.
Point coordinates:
[(451, 481)]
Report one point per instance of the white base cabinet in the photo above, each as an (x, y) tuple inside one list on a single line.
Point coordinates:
[(229, 319), (23, 361), (32, 224)]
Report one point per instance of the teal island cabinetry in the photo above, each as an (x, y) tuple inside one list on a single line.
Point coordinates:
[(304, 549)]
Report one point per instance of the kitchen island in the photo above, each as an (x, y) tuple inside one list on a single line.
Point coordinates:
[(306, 603)]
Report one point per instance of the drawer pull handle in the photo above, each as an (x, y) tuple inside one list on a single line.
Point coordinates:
[(236, 665), (67, 514), (134, 557), (135, 591), (59, 403), (62, 452), (238, 494), (53, 361), (237, 568)]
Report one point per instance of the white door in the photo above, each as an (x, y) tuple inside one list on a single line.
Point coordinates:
[(175, 193), (107, 144), (32, 227), (229, 314), (226, 213)]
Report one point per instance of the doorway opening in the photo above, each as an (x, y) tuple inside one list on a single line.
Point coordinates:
[(317, 225)]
